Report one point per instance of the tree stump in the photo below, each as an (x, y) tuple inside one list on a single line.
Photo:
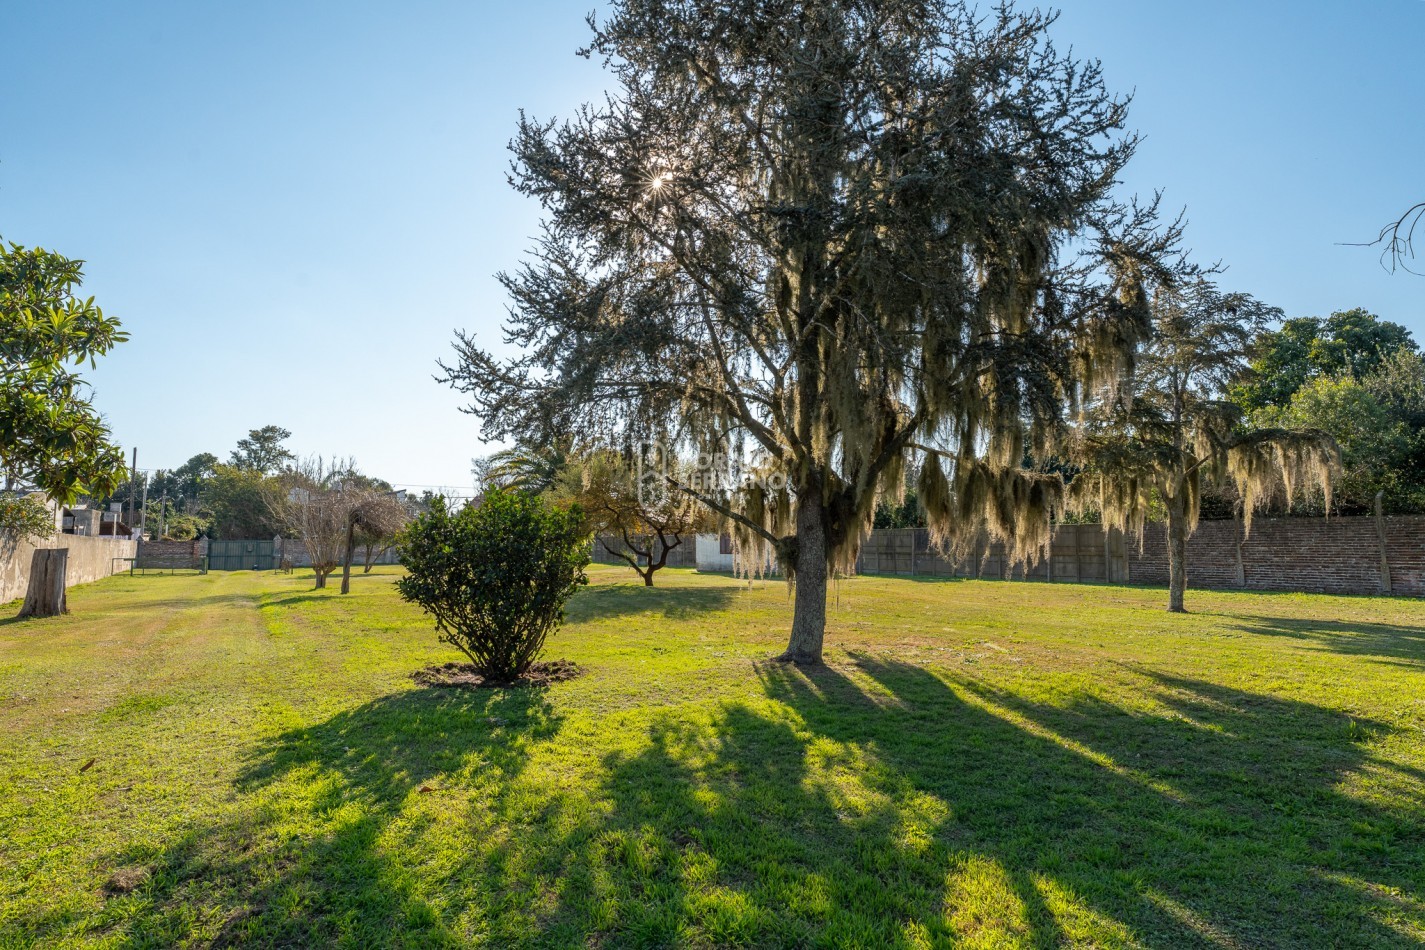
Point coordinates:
[(45, 595)]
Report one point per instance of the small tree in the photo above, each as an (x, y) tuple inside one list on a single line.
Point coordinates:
[(262, 451), (1154, 440), (651, 525), (378, 526), (23, 517), (495, 577), (318, 508), (375, 516)]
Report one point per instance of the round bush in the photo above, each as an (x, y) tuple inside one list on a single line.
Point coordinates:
[(495, 576)]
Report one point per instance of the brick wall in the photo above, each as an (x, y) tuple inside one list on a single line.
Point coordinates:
[(169, 554), (1329, 555)]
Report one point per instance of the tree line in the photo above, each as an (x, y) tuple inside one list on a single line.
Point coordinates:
[(248, 495)]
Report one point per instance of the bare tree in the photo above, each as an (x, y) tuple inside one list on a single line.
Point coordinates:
[(1397, 239), (374, 518), (319, 503)]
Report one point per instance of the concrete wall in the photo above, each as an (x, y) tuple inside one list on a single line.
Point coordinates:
[(90, 559), (710, 556)]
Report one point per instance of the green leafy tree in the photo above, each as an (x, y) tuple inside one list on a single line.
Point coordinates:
[(244, 503), (51, 437), (188, 479), (262, 451), (835, 240), (1155, 441), (495, 577), (534, 469), (1379, 422), (1349, 342)]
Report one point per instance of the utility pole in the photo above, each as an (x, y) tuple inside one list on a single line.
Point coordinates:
[(143, 510), (133, 487), (163, 515)]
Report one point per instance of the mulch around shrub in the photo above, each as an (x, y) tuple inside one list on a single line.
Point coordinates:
[(465, 676)]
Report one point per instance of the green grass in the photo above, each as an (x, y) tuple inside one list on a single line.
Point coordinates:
[(981, 764)]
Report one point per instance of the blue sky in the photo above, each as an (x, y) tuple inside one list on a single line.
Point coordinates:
[(293, 205)]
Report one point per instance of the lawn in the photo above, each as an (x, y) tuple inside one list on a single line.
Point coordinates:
[(980, 764)]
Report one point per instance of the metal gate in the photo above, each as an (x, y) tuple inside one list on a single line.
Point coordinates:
[(242, 556)]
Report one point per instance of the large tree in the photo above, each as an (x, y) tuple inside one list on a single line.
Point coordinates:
[(51, 437), (844, 236), (1378, 420), (187, 480), (1149, 444), (244, 503)]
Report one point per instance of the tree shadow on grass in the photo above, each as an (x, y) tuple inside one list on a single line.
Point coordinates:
[(884, 805), (307, 858), (608, 601), (1386, 641), (903, 807), (330, 594), (1220, 821), (87, 609)]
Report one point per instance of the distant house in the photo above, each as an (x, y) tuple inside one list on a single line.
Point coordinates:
[(91, 522), (714, 552)]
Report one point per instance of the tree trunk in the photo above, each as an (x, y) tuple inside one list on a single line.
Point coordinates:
[(1177, 554), (346, 560), (809, 604), (321, 579), (45, 594)]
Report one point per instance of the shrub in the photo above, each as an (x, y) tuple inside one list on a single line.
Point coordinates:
[(24, 518), (495, 577)]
